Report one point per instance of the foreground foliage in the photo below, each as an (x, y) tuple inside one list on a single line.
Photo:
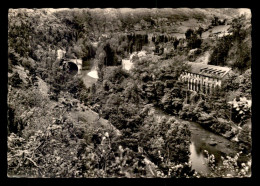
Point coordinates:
[(52, 129)]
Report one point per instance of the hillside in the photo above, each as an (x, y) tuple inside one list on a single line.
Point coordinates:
[(99, 122)]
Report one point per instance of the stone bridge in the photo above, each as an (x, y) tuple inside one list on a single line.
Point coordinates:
[(75, 65)]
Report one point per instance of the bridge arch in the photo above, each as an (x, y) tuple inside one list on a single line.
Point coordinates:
[(73, 68), (74, 65)]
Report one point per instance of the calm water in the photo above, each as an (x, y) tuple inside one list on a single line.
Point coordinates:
[(88, 80), (198, 160), (200, 139)]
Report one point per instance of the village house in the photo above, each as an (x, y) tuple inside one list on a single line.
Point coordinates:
[(204, 78), (61, 54)]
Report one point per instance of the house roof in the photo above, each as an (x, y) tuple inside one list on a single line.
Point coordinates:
[(208, 70)]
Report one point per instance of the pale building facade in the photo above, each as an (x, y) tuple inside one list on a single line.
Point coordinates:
[(204, 78), (61, 54)]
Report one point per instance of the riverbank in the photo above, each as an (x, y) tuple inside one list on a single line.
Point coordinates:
[(201, 139)]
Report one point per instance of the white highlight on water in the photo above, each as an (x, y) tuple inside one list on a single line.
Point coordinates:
[(93, 73)]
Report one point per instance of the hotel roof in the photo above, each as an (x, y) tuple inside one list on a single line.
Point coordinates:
[(208, 70)]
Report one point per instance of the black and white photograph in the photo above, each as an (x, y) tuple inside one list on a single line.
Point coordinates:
[(129, 93)]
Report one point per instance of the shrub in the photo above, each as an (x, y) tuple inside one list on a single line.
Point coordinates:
[(245, 139), (15, 124), (28, 64), (15, 80), (221, 126), (230, 168)]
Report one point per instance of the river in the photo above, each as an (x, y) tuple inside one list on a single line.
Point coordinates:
[(200, 139), (89, 77)]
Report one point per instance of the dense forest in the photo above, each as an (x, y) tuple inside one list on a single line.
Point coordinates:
[(60, 127)]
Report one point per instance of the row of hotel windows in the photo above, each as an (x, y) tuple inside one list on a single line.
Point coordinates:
[(197, 85), (188, 74), (205, 88)]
